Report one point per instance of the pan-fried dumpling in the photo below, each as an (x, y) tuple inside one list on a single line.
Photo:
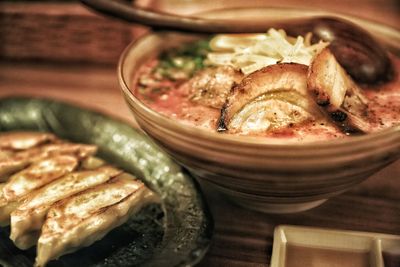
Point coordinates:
[(82, 219), (28, 218), (5, 154), (6, 208), (9, 165), (38, 174), (19, 160), (79, 150), (24, 140), (5, 212), (20, 150), (12, 161), (91, 163)]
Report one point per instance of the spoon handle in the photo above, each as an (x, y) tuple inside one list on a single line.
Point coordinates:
[(165, 21)]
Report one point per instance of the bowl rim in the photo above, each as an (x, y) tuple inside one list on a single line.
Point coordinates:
[(205, 134)]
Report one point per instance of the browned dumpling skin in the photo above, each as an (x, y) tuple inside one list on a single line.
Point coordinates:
[(12, 141), (28, 218), (19, 160), (82, 219), (81, 151), (91, 163), (8, 166), (38, 174), (6, 208), (24, 140), (21, 150), (5, 154)]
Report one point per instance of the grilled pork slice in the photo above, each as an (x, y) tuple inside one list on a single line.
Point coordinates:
[(270, 98), (24, 140), (210, 86), (337, 93), (38, 174), (28, 218), (19, 160), (82, 219)]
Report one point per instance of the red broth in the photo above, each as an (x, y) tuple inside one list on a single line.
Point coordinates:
[(171, 99)]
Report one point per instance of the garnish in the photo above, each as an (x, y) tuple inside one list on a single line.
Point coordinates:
[(251, 52)]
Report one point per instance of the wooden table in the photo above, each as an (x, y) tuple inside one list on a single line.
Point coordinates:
[(242, 237)]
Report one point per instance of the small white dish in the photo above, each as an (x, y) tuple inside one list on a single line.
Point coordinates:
[(314, 247)]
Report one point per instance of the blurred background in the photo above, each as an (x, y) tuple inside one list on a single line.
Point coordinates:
[(66, 31)]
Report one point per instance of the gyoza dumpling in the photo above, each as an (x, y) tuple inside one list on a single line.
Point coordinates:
[(6, 208), (5, 154), (91, 163), (38, 174), (19, 160), (24, 140), (81, 151), (9, 166), (28, 218), (88, 216)]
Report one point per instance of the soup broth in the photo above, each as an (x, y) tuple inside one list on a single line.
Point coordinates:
[(174, 97)]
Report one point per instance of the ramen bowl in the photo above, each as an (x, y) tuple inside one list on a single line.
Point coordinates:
[(275, 177)]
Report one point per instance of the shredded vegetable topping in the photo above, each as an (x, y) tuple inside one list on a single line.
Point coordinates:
[(251, 52)]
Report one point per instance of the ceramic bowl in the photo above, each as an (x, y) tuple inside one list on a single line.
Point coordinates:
[(260, 175)]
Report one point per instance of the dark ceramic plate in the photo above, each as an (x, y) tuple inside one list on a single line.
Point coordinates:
[(177, 233)]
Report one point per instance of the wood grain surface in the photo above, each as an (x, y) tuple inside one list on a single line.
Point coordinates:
[(242, 237)]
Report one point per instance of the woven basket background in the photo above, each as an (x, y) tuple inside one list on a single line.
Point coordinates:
[(65, 32)]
